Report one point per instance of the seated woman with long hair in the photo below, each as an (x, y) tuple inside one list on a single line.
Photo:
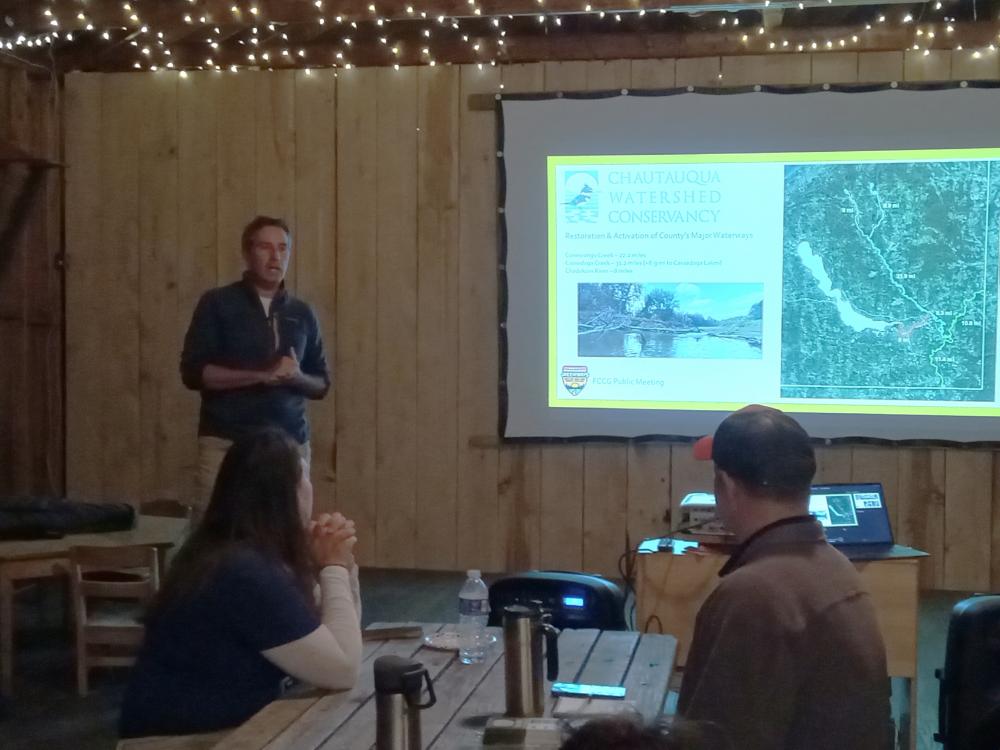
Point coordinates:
[(237, 612)]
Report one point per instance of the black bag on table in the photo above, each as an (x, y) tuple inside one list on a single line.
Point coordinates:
[(29, 517)]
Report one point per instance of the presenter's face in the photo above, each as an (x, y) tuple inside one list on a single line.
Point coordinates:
[(267, 258)]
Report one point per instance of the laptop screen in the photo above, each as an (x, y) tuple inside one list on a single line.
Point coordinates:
[(851, 513)]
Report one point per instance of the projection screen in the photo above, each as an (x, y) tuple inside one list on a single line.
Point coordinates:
[(668, 257)]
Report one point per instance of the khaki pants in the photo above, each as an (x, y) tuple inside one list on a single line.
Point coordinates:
[(211, 451)]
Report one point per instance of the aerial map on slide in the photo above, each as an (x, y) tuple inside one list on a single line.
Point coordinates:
[(890, 280)]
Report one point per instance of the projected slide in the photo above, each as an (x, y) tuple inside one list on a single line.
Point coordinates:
[(858, 282)]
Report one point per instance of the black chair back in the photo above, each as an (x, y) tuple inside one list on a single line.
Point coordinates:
[(969, 699)]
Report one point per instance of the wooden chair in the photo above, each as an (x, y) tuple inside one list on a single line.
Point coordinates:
[(110, 587)]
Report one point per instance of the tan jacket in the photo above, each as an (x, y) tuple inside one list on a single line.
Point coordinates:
[(787, 654)]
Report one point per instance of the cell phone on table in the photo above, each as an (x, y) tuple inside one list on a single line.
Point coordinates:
[(581, 690)]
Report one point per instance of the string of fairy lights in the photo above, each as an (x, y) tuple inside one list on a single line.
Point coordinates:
[(246, 39)]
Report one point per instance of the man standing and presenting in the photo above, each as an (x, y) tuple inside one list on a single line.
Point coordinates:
[(254, 352), (786, 653)]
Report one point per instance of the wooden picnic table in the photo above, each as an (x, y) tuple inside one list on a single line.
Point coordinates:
[(467, 694)]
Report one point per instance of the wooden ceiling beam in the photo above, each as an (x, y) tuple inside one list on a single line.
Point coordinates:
[(166, 15), (527, 48)]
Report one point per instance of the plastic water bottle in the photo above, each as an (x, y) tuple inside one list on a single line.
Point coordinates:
[(473, 613)]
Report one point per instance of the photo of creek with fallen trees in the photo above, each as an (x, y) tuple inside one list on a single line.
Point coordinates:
[(683, 321)]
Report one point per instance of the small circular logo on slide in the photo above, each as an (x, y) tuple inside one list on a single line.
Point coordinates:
[(574, 377)]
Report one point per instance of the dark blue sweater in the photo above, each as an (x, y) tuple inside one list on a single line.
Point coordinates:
[(201, 668), (230, 329)]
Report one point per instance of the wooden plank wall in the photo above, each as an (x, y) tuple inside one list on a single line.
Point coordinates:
[(31, 436), (388, 177)]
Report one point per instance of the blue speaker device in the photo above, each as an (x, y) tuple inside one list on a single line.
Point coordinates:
[(576, 600)]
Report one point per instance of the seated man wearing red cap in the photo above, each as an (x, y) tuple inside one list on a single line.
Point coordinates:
[(786, 653)]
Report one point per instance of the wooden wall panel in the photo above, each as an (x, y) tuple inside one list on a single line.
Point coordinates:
[(653, 74), (699, 71), (31, 301), (14, 300), (561, 517), (160, 449), (84, 206), (920, 509), (44, 303), (605, 505), (356, 305), (12, 292), (197, 242), (276, 151), (236, 170), (608, 75), (966, 67), (390, 179), (493, 527), (833, 463), (116, 285), (519, 492), (395, 310), (747, 70), (835, 67), (315, 250), (879, 67), (968, 521), (648, 489), (437, 331), (928, 65)]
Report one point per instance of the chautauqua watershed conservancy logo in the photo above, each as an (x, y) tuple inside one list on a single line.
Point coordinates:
[(581, 196)]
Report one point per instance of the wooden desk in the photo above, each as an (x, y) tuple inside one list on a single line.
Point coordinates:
[(49, 558), (466, 695), (671, 588)]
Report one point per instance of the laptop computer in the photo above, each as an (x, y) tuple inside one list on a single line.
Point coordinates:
[(854, 518)]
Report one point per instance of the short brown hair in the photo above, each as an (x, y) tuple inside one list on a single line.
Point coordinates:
[(767, 450), (258, 223)]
